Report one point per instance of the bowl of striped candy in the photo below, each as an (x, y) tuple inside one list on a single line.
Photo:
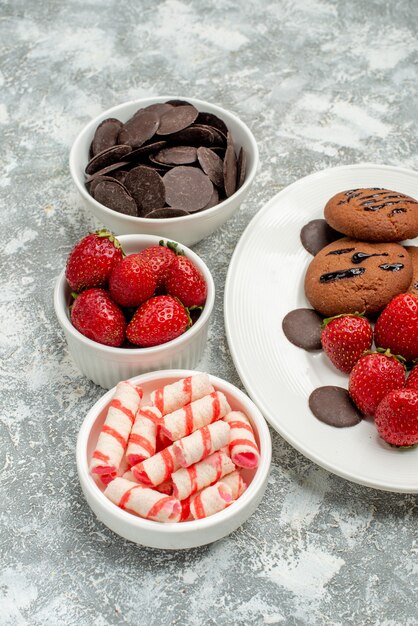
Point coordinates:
[(173, 459)]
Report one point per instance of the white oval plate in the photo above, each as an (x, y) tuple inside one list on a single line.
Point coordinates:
[(264, 282)]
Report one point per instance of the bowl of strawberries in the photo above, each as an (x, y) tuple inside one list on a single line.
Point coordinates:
[(133, 304)]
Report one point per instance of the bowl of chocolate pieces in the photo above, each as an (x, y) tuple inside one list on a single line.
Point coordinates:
[(164, 166)]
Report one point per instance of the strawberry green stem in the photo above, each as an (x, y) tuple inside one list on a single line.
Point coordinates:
[(327, 320)]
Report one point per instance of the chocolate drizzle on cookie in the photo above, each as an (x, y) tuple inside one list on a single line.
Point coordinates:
[(340, 251), (330, 277), (377, 201), (391, 267), (350, 194), (358, 257)]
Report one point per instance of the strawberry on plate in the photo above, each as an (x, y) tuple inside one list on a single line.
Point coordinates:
[(372, 377), (345, 338), (159, 259), (132, 281), (158, 320), (186, 282), (97, 317), (397, 417), (91, 261), (397, 326)]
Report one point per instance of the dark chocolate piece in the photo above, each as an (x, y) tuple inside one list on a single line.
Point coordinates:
[(195, 135), (302, 327), (187, 188), (178, 155), (241, 168), (212, 165), (106, 170), (317, 234), (141, 127), (120, 175), (333, 406), (147, 189), (214, 200), (107, 157), (106, 135), (209, 119), (146, 149), (100, 179), (230, 168), (159, 108), (114, 196), (178, 118), (179, 103)]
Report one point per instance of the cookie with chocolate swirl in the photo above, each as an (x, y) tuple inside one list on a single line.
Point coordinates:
[(373, 214), (349, 276)]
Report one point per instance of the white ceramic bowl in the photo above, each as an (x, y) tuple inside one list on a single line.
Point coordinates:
[(188, 229), (185, 534), (105, 365)]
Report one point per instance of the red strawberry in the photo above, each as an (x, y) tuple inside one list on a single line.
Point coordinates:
[(159, 259), (157, 321), (372, 377), (186, 282), (397, 417), (397, 326), (412, 380), (132, 281), (345, 338), (91, 261), (97, 317)]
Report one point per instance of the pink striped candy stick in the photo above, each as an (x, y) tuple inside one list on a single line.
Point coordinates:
[(172, 397), (157, 469), (188, 481), (236, 483), (211, 500), (201, 443), (115, 431), (166, 487), (162, 440), (142, 440), (142, 501), (195, 415), (242, 446)]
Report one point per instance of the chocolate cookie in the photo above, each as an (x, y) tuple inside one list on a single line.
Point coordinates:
[(349, 275), (413, 253), (373, 214)]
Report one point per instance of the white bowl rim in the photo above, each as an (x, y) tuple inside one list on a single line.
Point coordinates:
[(64, 320), (146, 101), (176, 528)]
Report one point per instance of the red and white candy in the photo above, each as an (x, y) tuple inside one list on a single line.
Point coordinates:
[(142, 501), (242, 446), (113, 437), (195, 415), (176, 459), (189, 480), (172, 397), (201, 443), (157, 469), (236, 483), (142, 440), (211, 500)]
